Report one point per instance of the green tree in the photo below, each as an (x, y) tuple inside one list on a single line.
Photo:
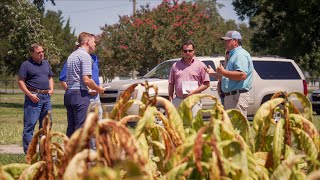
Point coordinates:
[(153, 35), (63, 38), (288, 28), (23, 24)]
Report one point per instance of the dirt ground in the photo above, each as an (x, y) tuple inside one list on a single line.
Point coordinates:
[(11, 149)]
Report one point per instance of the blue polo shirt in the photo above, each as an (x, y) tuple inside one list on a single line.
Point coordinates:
[(240, 60), (36, 75), (95, 70)]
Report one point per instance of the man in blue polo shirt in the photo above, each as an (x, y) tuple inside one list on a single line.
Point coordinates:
[(35, 80), (237, 75), (78, 79)]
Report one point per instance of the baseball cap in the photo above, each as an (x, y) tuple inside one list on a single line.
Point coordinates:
[(232, 35)]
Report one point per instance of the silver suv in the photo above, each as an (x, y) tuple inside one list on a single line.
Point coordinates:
[(271, 74)]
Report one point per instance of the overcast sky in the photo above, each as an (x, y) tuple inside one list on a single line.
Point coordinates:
[(90, 15)]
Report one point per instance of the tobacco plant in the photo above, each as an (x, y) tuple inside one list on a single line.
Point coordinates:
[(181, 146)]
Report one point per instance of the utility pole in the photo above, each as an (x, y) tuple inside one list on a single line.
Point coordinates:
[(134, 4), (134, 7)]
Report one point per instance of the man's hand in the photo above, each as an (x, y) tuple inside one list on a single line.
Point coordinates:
[(190, 93), (34, 98), (209, 70), (50, 92), (220, 69), (101, 89)]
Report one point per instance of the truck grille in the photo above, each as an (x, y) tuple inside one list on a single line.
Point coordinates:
[(108, 100), (316, 97), (109, 96)]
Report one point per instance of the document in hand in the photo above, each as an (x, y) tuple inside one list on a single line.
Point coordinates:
[(189, 86)]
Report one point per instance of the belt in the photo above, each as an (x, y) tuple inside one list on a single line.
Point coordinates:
[(235, 92), (39, 91)]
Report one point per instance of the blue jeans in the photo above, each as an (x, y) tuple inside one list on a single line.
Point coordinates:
[(77, 103), (33, 112), (95, 102)]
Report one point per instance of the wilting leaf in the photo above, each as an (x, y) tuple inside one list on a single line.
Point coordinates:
[(197, 148), (185, 107), (289, 152), (176, 172), (278, 143), (240, 123), (123, 110), (32, 148), (102, 173), (125, 96), (307, 126), (126, 139), (146, 121), (77, 167), (306, 143), (35, 171), (175, 121), (262, 121), (284, 170), (315, 175), (15, 170), (182, 153), (306, 104)]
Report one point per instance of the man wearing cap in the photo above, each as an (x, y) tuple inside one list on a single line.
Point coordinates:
[(78, 79), (237, 75)]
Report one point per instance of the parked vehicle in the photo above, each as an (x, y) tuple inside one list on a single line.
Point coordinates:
[(272, 74), (315, 101)]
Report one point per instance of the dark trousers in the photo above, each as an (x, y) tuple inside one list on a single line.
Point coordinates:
[(76, 102)]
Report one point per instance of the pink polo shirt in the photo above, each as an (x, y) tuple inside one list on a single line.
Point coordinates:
[(193, 72)]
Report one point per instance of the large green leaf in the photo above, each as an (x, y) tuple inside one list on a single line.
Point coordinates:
[(15, 170), (176, 172), (240, 123), (306, 143), (284, 170), (185, 107), (76, 168), (262, 121), (35, 171), (175, 120), (307, 126), (278, 143), (306, 105), (123, 99)]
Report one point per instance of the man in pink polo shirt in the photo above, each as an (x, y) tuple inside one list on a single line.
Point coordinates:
[(187, 77)]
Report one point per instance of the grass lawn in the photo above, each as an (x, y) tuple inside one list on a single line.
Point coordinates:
[(12, 158), (11, 117)]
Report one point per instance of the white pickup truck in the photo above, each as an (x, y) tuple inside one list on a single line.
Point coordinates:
[(272, 74)]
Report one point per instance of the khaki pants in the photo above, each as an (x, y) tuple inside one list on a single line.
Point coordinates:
[(238, 101), (176, 102)]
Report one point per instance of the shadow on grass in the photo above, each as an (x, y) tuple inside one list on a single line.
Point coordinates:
[(20, 105)]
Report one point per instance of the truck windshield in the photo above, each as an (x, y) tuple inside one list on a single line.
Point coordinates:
[(161, 71)]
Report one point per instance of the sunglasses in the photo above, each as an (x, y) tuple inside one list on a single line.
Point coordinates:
[(187, 51)]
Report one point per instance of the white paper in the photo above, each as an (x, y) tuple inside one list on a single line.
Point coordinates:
[(189, 85)]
